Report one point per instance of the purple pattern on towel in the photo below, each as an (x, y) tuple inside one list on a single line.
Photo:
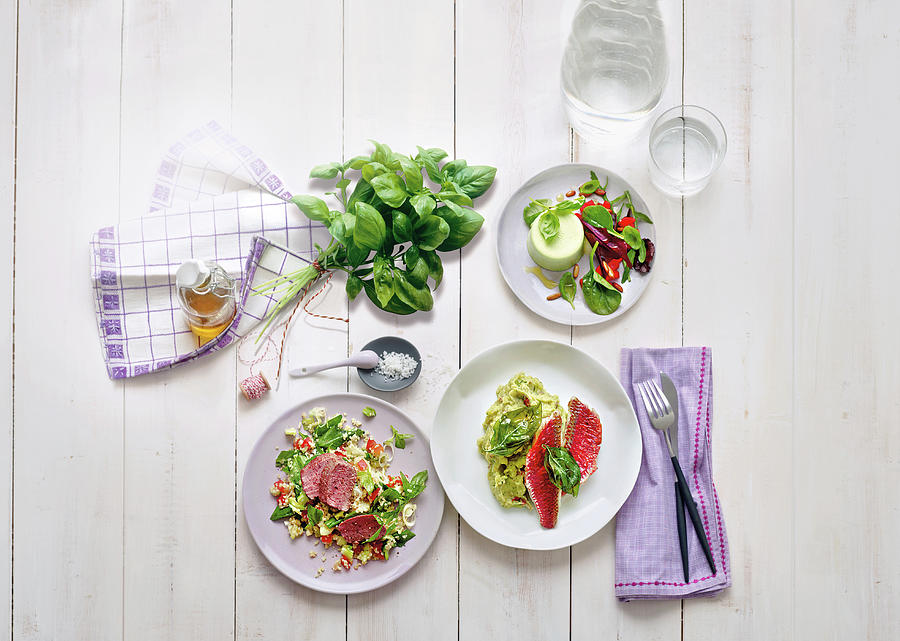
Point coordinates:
[(214, 199), (648, 557)]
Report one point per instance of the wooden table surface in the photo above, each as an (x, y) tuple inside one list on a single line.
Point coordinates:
[(119, 500)]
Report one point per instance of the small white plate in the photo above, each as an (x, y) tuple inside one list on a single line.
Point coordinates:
[(566, 372), (511, 233)]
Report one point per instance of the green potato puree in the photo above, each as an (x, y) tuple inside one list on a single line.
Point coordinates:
[(506, 475)]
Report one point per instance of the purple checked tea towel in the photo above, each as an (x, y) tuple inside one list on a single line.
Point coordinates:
[(648, 557), (215, 199)]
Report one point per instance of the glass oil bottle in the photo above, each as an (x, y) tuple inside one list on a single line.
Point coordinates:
[(207, 296)]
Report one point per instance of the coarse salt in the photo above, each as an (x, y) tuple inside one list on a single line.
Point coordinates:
[(395, 366)]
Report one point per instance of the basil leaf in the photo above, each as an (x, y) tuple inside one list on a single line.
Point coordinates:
[(626, 272), (328, 171), (598, 217), (642, 252), (642, 217), (314, 208), (331, 439), (314, 515), (357, 162), (514, 430), (418, 273), (411, 256), (401, 227), (455, 197), (373, 169), (475, 180), (383, 280), (548, 224), (435, 267), (412, 173), (390, 189), (430, 231), (414, 486), (568, 288), (370, 230), (357, 255), (363, 192), (535, 208), (462, 223), (383, 154), (354, 286), (394, 305), (633, 238), (450, 169), (423, 204), (338, 230), (567, 206), (563, 469), (282, 513), (398, 438), (416, 297), (429, 158)]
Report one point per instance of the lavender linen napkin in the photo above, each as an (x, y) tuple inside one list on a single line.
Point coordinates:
[(648, 557)]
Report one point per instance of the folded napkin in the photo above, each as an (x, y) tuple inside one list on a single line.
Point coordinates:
[(215, 199), (648, 557)]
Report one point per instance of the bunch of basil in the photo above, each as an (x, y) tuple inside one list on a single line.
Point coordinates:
[(389, 226)]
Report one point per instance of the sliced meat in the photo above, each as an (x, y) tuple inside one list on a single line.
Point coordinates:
[(336, 485), (544, 494), (584, 433), (311, 474), (360, 528)]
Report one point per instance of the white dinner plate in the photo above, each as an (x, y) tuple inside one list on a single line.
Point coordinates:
[(512, 254), (566, 372)]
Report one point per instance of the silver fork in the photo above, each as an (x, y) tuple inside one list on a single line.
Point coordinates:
[(662, 418)]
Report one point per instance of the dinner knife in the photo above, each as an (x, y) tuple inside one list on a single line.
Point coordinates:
[(668, 388)]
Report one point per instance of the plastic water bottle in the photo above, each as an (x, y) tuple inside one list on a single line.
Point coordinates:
[(615, 66)]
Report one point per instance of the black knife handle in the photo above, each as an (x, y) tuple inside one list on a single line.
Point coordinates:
[(695, 516), (682, 532)]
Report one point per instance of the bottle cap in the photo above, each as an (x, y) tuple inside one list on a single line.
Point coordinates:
[(192, 273)]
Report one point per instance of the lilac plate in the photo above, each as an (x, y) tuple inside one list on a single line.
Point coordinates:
[(292, 558)]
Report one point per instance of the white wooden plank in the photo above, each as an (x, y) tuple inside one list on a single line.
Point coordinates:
[(7, 202), (398, 89), (846, 477), (509, 114), (742, 311), (287, 105), (68, 454), (655, 321), (180, 424)]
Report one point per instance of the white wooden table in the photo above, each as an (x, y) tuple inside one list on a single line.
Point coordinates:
[(120, 500)]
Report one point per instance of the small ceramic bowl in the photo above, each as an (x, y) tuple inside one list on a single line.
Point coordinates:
[(390, 344)]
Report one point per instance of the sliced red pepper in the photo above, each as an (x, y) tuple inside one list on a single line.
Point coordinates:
[(328, 539), (587, 203), (627, 221), (345, 562), (361, 464), (607, 204), (374, 494)]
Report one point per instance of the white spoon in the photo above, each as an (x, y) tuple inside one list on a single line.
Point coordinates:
[(362, 360)]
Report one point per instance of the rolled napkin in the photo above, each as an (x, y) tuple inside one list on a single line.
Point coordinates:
[(648, 557)]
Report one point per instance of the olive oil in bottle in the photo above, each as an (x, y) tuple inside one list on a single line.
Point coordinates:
[(207, 297)]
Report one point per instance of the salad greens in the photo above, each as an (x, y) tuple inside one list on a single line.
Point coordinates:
[(610, 230), (368, 412), (387, 229), (387, 498)]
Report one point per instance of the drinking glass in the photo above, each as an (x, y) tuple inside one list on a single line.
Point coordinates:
[(687, 145)]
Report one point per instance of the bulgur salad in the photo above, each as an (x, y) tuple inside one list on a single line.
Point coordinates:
[(336, 488)]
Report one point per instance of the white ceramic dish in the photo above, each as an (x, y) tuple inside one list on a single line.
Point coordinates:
[(512, 256), (566, 372)]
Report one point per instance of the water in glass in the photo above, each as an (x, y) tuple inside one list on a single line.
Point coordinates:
[(615, 66)]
